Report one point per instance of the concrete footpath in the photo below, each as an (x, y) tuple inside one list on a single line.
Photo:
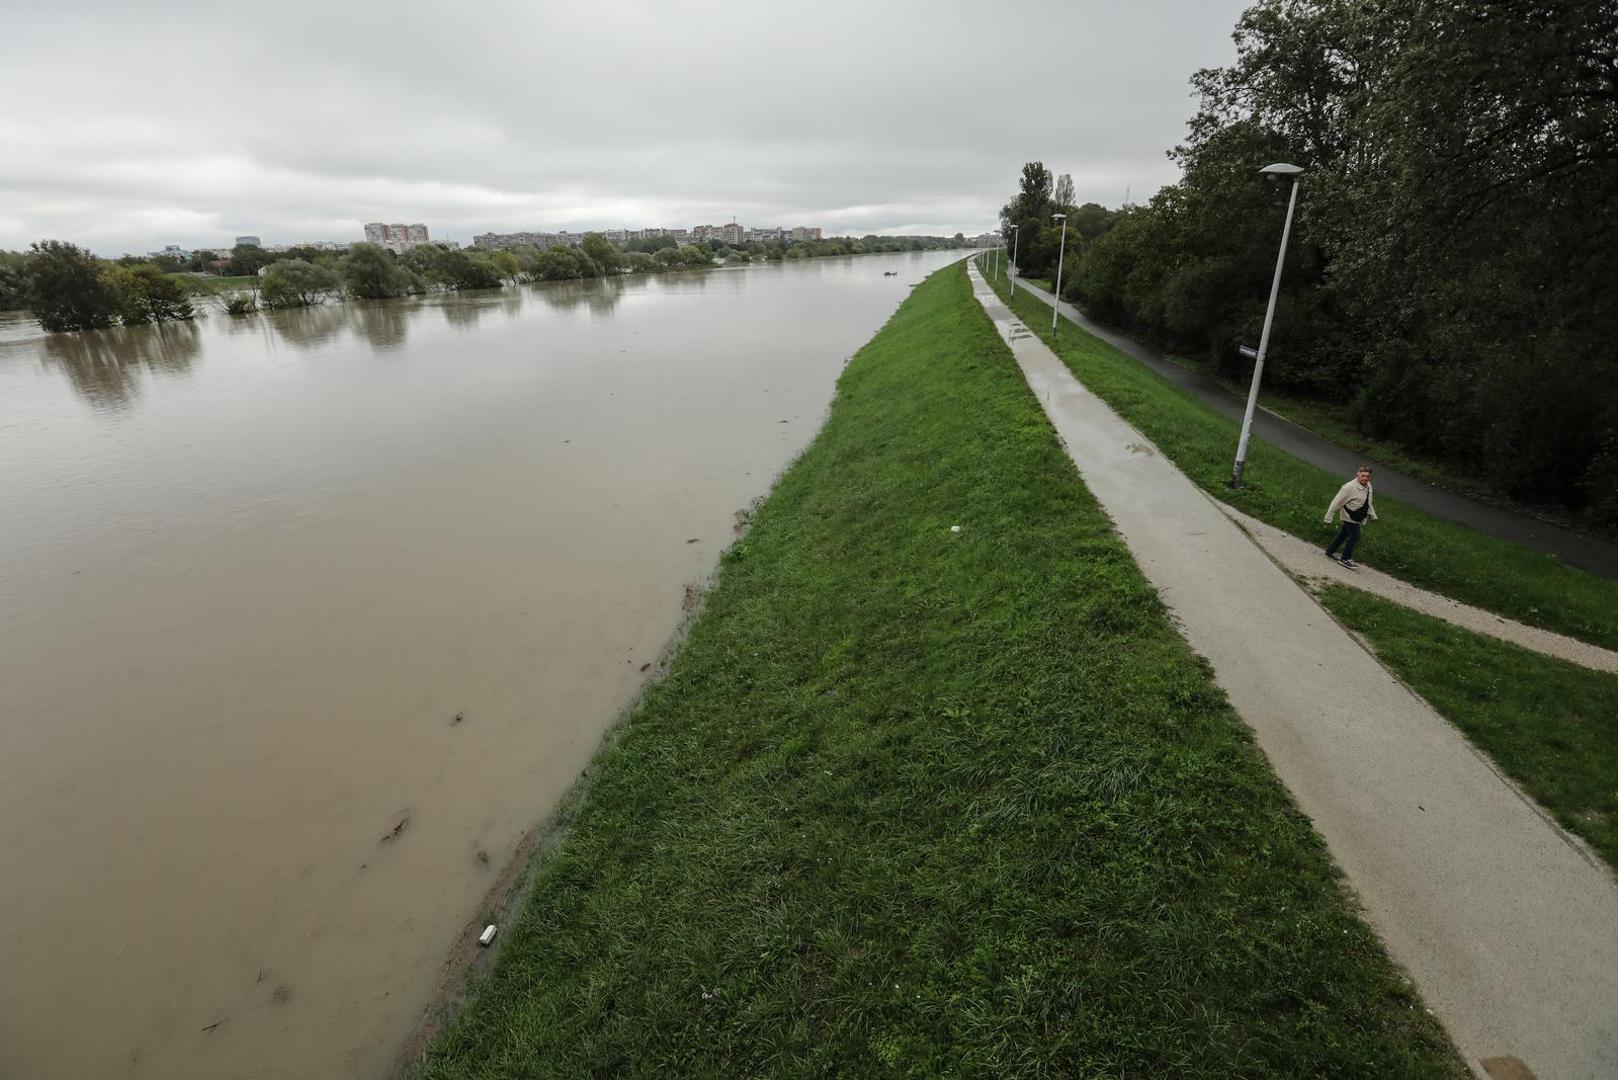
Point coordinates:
[(1307, 561), (1586, 552), (1508, 925)]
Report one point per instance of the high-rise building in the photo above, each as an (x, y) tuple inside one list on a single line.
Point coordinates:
[(396, 237), (732, 234), (252, 241)]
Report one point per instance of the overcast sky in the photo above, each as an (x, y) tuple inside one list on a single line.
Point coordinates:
[(128, 126)]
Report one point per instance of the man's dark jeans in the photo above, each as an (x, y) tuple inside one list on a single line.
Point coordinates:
[(1348, 534)]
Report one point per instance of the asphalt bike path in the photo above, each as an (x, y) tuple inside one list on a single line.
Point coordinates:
[(1586, 552), (1507, 924)]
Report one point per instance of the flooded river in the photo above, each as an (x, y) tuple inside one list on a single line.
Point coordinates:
[(309, 616)]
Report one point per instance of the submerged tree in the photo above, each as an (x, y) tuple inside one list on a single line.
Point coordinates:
[(69, 289), (371, 272), (146, 294), (296, 283)]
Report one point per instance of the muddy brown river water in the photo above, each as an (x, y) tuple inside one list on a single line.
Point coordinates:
[(251, 571)]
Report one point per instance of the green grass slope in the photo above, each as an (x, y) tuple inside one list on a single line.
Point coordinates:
[(917, 803)]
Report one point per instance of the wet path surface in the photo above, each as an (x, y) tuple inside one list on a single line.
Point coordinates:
[(309, 616), (1308, 562), (1504, 921), (1586, 552)]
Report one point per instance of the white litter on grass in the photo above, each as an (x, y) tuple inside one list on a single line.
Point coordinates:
[(954, 528), (488, 934)]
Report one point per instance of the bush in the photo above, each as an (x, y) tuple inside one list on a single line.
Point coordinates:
[(296, 283), (560, 264), (371, 272), (146, 294)]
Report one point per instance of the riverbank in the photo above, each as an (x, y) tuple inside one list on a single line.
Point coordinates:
[(254, 571), (910, 799)]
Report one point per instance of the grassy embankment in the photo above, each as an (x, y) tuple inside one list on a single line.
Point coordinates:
[(1417, 547), (911, 802), (215, 286), (1553, 726)]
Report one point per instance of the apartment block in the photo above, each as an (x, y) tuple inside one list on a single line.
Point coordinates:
[(397, 237)]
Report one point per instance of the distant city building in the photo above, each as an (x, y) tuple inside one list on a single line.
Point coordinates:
[(396, 238), (985, 240), (766, 236), (805, 232), (497, 241), (250, 240), (733, 234)]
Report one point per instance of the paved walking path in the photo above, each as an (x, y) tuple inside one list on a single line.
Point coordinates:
[(1508, 926), (1307, 560), (1588, 553)]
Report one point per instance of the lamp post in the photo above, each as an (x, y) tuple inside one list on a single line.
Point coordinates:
[(1061, 251), (1274, 172), (997, 262), (1012, 266)]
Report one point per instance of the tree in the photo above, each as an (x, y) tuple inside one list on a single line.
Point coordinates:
[(560, 263), (296, 283), (1092, 220), (69, 289), (602, 252), (13, 281), (371, 272), (1030, 211), (506, 265), (1062, 194), (247, 260), (1448, 276), (146, 294)]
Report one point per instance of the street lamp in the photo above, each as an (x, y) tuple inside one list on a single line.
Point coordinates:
[(1274, 172), (1012, 266), (1056, 301)]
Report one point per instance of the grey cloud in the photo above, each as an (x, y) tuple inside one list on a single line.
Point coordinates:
[(141, 125)]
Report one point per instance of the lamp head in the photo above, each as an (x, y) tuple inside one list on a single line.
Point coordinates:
[(1059, 217), (1280, 169)]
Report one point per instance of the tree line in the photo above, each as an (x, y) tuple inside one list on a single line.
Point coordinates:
[(1451, 280), (69, 288)]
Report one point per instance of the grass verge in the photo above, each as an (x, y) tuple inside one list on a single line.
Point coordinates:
[(215, 286), (1550, 725), (1425, 550), (917, 803)]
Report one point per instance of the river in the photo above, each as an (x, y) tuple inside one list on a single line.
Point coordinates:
[(309, 616)]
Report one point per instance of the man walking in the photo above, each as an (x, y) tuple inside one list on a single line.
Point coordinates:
[(1353, 503)]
